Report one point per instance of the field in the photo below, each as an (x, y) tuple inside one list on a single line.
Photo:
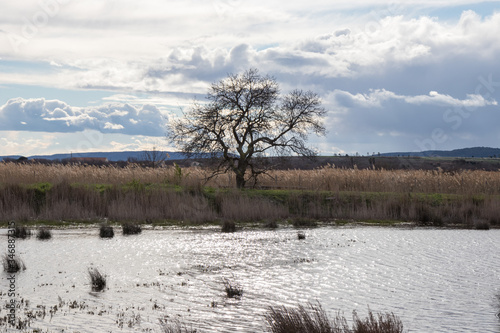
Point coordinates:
[(53, 194)]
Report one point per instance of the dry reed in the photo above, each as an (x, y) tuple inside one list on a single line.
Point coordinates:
[(326, 178)]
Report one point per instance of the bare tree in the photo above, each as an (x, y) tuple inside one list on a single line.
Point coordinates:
[(154, 157), (246, 118)]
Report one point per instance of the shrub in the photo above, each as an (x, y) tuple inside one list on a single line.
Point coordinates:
[(12, 264), (22, 232), (44, 234), (106, 231), (228, 226), (232, 290), (97, 280), (131, 229)]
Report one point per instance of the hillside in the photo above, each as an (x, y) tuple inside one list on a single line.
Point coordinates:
[(464, 152)]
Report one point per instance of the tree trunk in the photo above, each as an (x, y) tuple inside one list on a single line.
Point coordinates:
[(240, 173), (240, 180)]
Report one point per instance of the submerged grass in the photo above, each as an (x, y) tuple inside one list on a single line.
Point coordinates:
[(22, 232), (174, 326), (12, 263), (44, 234), (232, 290), (228, 226), (313, 319), (131, 228), (106, 231), (97, 280)]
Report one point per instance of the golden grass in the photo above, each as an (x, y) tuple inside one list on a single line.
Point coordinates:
[(69, 192), (325, 179)]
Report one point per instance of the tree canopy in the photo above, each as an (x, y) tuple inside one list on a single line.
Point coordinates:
[(246, 118)]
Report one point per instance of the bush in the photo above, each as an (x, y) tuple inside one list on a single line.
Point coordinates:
[(106, 231), (232, 290), (131, 229), (12, 264), (22, 232), (97, 280), (228, 226), (44, 234)]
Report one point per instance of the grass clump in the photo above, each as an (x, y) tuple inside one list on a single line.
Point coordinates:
[(12, 264), (175, 326), (228, 226), (97, 280), (314, 319), (106, 231), (379, 323), (232, 290), (22, 232), (131, 228), (44, 234)]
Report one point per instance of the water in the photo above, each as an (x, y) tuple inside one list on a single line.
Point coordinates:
[(434, 280)]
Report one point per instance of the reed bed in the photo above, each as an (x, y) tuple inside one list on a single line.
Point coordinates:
[(327, 178), (63, 192)]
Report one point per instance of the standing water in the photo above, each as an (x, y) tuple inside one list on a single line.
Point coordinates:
[(434, 280)]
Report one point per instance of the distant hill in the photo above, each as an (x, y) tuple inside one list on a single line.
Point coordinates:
[(111, 156), (477, 152), (464, 152)]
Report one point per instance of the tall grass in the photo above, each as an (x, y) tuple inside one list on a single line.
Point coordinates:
[(136, 194), (314, 319), (327, 178)]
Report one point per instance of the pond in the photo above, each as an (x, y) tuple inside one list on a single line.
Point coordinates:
[(434, 280)]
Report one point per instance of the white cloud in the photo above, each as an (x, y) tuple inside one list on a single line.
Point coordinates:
[(376, 98), (57, 116)]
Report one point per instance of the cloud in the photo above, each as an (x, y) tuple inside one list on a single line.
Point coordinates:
[(57, 116), (377, 97)]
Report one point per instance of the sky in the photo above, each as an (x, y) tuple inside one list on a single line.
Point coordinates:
[(108, 75)]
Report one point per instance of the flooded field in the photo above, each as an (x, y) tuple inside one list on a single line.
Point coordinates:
[(434, 280)]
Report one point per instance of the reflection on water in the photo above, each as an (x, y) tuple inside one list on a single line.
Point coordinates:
[(434, 280)]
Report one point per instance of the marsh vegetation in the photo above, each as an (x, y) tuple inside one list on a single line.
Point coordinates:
[(302, 197)]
